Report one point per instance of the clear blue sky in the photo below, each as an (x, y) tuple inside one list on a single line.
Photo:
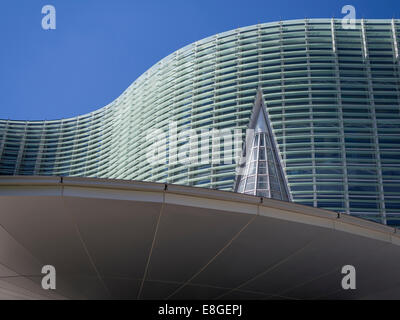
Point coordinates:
[(100, 47)]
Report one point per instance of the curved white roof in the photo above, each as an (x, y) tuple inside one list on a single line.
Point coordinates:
[(136, 240)]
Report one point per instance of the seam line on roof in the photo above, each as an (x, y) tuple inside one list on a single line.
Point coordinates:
[(313, 279), (18, 295), (218, 254), (268, 270), (358, 260), (152, 245), (28, 277), (27, 251), (337, 269), (85, 248)]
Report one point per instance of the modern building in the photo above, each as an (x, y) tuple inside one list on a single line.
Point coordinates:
[(286, 114), (117, 239), (331, 95)]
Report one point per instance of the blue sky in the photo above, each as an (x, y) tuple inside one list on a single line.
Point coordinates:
[(100, 47)]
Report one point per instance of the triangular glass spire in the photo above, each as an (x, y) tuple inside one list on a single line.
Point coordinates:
[(260, 170)]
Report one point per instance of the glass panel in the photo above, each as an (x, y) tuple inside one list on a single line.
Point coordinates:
[(262, 154), (271, 169), (262, 193), (276, 195), (270, 157), (252, 168), (273, 179), (250, 183), (255, 140), (262, 167), (274, 187), (241, 186), (254, 155), (262, 140)]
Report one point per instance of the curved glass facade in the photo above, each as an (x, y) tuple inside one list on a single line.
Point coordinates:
[(332, 96)]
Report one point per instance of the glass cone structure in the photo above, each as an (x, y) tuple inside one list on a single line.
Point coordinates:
[(260, 169)]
